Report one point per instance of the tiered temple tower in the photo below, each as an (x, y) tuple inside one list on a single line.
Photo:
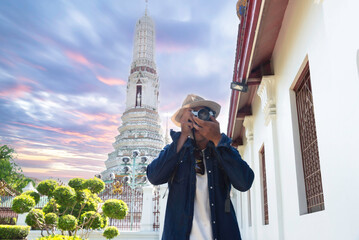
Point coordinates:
[(140, 129)]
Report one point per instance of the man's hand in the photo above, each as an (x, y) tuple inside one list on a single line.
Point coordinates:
[(186, 122), (208, 129), (186, 127)]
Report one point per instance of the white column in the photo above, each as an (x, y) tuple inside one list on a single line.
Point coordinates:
[(163, 205), (266, 92), (255, 189), (147, 217)]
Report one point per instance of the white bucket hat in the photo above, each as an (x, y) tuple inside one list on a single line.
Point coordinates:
[(192, 101)]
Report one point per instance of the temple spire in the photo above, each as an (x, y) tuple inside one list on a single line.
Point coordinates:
[(167, 139)]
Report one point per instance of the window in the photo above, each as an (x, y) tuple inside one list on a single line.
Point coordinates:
[(264, 186), (138, 96), (308, 142)]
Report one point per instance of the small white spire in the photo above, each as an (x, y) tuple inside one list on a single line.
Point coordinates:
[(167, 139), (146, 7)]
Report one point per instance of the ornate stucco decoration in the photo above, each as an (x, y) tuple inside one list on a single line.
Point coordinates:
[(267, 94), (248, 124)]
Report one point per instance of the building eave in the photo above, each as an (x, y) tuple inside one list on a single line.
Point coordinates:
[(257, 36)]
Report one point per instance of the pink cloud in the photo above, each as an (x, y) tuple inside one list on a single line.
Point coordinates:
[(103, 138), (76, 57), (12, 59), (111, 81), (172, 106), (166, 47), (58, 130), (28, 80), (15, 92), (87, 117), (82, 60)]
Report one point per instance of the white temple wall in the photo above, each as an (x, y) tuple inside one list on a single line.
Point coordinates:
[(322, 32)]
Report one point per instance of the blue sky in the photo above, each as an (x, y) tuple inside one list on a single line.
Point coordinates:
[(64, 67)]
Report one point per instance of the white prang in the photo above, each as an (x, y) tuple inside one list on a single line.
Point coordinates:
[(140, 129)]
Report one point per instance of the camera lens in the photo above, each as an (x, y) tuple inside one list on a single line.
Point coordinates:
[(203, 114)]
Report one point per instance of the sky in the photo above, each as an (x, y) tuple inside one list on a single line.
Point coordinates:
[(64, 66)]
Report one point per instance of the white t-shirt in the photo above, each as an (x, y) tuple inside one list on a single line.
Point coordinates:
[(201, 226)]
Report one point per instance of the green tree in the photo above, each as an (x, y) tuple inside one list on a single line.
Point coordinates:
[(75, 210), (10, 172)]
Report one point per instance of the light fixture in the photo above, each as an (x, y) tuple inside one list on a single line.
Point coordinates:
[(238, 86)]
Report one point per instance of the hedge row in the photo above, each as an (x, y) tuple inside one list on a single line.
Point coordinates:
[(14, 232), (60, 237)]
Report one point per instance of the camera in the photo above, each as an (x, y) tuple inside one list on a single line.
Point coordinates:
[(204, 113)]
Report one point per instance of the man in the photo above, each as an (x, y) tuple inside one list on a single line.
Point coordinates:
[(200, 166)]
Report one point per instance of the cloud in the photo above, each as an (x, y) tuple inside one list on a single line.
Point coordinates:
[(82, 60), (111, 81), (16, 91), (62, 84)]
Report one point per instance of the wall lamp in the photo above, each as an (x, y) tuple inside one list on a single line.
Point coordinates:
[(242, 87)]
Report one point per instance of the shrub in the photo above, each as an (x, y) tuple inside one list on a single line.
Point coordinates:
[(115, 208), (8, 220), (14, 232), (51, 206), (95, 185), (65, 196), (60, 237), (35, 218), (67, 223), (110, 232), (77, 183), (34, 195), (47, 187), (51, 218), (83, 195), (104, 221), (91, 220), (22, 204)]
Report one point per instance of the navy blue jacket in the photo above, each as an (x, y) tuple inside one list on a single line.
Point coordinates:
[(224, 167)]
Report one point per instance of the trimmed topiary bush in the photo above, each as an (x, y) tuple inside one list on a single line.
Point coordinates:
[(14, 232), (34, 195), (72, 210), (65, 196), (83, 195), (77, 183), (95, 185), (51, 206), (104, 221), (115, 208), (46, 187), (35, 218), (91, 220), (110, 232), (23, 204), (67, 223), (51, 218)]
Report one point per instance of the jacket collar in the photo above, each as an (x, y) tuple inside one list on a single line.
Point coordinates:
[(175, 136)]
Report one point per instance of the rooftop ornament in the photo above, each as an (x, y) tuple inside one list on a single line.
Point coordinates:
[(241, 8)]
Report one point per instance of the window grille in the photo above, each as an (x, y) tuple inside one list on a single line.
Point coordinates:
[(264, 186), (308, 142)]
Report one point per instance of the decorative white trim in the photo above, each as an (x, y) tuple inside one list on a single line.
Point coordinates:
[(241, 149), (267, 94), (248, 124)]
